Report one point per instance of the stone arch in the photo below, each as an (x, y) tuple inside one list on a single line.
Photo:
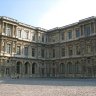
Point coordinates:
[(34, 68), (27, 67), (18, 67)]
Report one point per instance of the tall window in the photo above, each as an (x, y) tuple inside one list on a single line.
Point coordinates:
[(77, 67), (77, 50), (87, 30), (69, 67), (26, 34), (42, 53), (33, 52), (26, 51), (63, 52), (19, 33), (8, 31), (70, 51), (8, 48), (70, 34), (77, 33), (88, 49), (18, 50), (63, 35), (42, 37), (92, 27), (62, 68), (53, 52), (82, 31), (53, 38), (33, 37), (26, 67)]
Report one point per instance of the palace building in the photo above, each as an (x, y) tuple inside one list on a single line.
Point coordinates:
[(68, 51)]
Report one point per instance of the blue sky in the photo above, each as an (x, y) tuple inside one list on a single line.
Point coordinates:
[(48, 13)]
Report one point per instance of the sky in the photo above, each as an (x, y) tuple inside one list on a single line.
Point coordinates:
[(48, 13)]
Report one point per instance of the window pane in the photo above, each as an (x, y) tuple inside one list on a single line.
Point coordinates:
[(77, 33), (18, 50), (26, 51), (8, 48), (70, 35), (19, 33), (62, 35), (33, 52), (42, 53), (53, 52), (87, 30), (63, 52)]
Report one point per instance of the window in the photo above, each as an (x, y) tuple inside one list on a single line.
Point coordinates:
[(26, 34), (70, 51), (8, 31), (33, 37), (63, 52), (42, 53), (82, 32), (69, 68), (62, 68), (77, 33), (8, 48), (19, 33), (42, 37), (77, 68), (77, 50), (26, 51), (42, 71), (53, 52), (70, 35), (88, 48), (62, 35), (53, 38), (18, 50), (33, 52), (87, 30), (92, 27)]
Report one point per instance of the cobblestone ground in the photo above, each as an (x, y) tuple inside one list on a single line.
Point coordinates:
[(48, 87)]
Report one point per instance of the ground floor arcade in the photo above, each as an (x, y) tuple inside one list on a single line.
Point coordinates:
[(73, 67)]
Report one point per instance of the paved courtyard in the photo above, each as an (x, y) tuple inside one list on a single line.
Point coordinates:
[(47, 87)]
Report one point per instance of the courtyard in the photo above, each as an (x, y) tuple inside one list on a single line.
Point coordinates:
[(47, 87)]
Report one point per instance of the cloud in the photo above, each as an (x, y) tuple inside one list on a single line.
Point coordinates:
[(67, 11)]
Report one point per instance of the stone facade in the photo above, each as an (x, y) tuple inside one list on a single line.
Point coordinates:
[(68, 51)]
